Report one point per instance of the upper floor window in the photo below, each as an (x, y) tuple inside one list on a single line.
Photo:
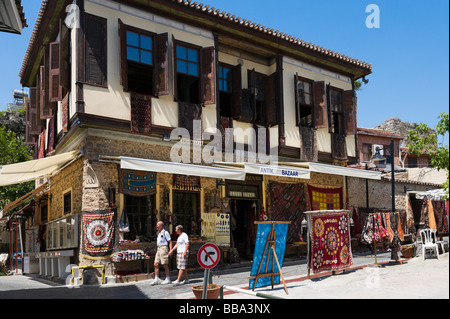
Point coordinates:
[(305, 107), (143, 61), (336, 111), (194, 69), (225, 78), (188, 74), (139, 48)]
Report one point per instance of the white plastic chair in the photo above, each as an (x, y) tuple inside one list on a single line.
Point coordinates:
[(428, 242)]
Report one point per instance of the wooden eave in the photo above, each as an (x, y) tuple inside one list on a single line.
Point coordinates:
[(279, 44)]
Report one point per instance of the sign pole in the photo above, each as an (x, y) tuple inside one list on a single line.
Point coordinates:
[(205, 284)]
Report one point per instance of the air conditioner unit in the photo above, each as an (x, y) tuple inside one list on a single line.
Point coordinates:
[(377, 148)]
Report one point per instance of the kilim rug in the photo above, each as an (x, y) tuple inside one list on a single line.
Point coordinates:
[(141, 113), (98, 234), (288, 203), (439, 215), (330, 241), (325, 198), (137, 183)]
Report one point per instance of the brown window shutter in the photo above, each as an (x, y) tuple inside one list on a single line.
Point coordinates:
[(174, 68), (246, 113), (123, 55), (33, 117), (297, 101), (207, 76), (270, 104), (51, 134), (54, 73), (44, 106), (64, 56), (350, 106), (29, 138), (320, 108), (141, 113), (96, 50), (236, 91), (162, 64)]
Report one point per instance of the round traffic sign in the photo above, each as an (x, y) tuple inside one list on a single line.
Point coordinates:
[(208, 256)]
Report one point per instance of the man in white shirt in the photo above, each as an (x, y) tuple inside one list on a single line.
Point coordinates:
[(164, 243)]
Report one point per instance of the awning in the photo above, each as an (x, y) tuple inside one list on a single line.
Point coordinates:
[(19, 201), (32, 170), (434, 195), (338, 170), (140, 164)]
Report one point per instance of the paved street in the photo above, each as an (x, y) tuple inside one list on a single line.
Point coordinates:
[(413, 279)]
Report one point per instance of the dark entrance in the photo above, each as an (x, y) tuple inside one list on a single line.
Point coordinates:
[(243, 232)]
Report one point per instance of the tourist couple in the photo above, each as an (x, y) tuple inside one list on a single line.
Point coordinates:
[(164, 250)]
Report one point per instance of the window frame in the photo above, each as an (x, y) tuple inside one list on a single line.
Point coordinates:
[(64, 194), (140, 33), (339, 113), (198, 78), (299, 103)]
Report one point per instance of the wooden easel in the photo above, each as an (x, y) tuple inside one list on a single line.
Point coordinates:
[(270, 248)]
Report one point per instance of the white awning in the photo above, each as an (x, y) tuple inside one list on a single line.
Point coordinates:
[(32, 170), (146, 165), (344, 171), (277, 170)]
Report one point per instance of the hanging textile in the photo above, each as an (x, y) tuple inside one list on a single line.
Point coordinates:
[(374, 231), (410, 226), (187, 114), (137, 183), (357, 229), (187, 183), (288, 204), (41, 152), (98, 234), (325, 198), (141, 113), (427, 219), (330, 241), (439, 214)]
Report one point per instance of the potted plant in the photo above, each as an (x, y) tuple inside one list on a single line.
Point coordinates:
[(213, 291)]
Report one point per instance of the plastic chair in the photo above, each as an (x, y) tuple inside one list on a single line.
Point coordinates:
[(428, 242)]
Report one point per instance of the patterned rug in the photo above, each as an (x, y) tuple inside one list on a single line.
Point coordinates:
[(325, 198), (141, 113), (137, 183), (98, 235), (330, 241), (439, 215), (288, 202)]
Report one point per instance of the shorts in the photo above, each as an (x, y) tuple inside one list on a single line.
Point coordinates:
[(181, 261), (162, 255)]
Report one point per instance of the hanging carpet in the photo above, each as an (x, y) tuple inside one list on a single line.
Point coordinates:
[(325, 198), (141, 113), (288, 204), (137, 183), (439, 215), (98, 234)]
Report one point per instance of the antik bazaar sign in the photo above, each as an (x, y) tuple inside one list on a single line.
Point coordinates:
[(277, 171)]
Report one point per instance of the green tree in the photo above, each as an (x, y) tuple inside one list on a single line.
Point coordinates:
[(13, 150), (432, 144)]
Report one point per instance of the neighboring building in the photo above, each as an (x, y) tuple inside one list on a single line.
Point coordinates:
[(105, 97), (12, 17), (371, 141)]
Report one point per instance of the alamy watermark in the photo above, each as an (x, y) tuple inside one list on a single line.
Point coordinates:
[(221, 146), (373, 19)]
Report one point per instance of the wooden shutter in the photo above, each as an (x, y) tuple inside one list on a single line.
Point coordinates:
[(162, 64), (44, 105), (207, 76), (65, 114), (64, 56), (174, 68), (270, 102), (55, 92), (236, 91), (350, 112), (29, 138), (123, 56), (297, 101), (246, 113), (51, 134), (320, 108), (34, 116), (95, 35)]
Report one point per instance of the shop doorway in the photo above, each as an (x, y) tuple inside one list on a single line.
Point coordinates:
[(186, 207), (243, 228)]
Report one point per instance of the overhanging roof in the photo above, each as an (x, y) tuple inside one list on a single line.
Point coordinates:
[(12, 18), (32, 170)]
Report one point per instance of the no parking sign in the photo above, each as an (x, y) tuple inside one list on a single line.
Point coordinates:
[(208, 256)]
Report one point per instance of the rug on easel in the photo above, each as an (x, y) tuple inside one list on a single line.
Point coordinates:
[(98, 234), (330, 241)]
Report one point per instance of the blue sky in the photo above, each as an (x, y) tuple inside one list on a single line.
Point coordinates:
[(409, 52)]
